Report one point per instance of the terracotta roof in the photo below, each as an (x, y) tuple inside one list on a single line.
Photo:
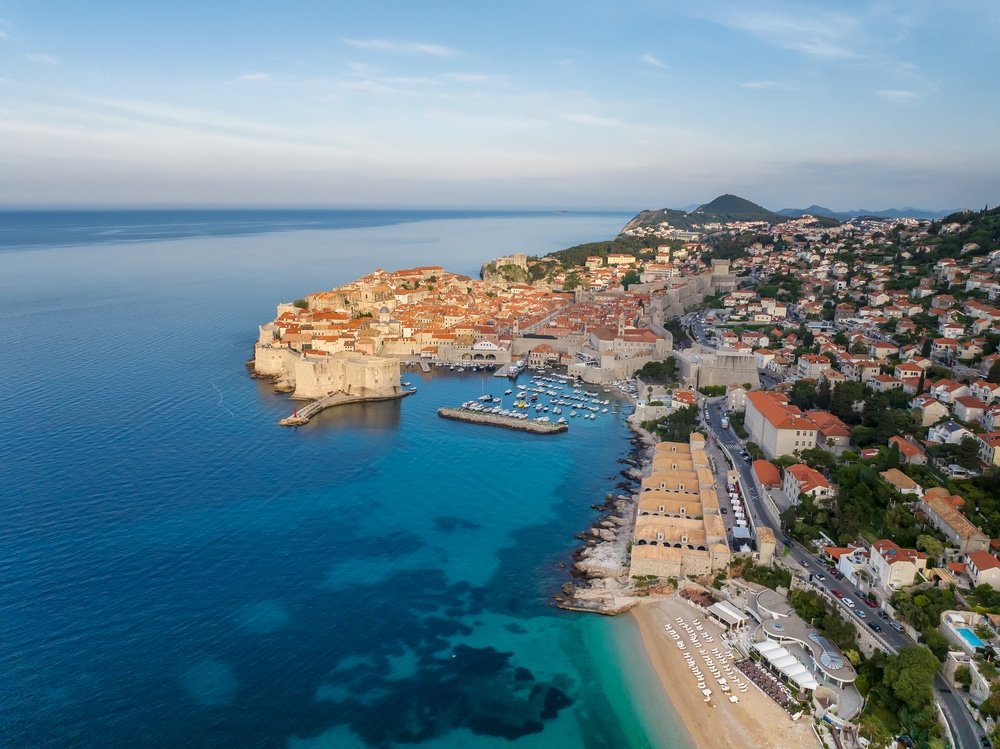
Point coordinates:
[(807, 478), (899, 479), (767, 473), (983, 560)]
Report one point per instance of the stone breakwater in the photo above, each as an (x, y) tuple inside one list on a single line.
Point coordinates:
[(525, 425), (304, 414), (600, 581)]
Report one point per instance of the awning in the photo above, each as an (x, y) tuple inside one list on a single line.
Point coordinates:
[(727, 613)]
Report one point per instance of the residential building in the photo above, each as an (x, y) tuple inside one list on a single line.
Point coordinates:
[(989, 448), (969, 408), (948, 433), (801, 479), (778, 428), (909, 452), (895, 567), (942, 511), (930, 409), (983, 569), (812, 366), (902, 483)]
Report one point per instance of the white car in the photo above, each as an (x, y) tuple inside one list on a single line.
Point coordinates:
[(848, 602)]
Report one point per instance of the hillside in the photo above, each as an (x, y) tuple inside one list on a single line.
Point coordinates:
[(723, 208), (677, 219), (735, 208)]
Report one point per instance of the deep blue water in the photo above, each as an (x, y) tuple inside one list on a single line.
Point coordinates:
[(55, 228), (176, 570)]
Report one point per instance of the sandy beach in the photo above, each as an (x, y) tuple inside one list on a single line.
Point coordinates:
[(755, 721)]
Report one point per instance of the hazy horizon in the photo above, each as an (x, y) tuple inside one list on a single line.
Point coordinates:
[(580, 106)]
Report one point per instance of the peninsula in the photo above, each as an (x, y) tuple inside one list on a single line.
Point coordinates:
[(700, 541)]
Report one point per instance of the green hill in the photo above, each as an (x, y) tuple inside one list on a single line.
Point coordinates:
[(735, 208), (723, 208)]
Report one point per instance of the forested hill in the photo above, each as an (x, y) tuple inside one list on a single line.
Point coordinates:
[(724, 208)]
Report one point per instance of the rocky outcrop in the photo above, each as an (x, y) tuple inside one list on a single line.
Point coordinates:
[(600, 580)]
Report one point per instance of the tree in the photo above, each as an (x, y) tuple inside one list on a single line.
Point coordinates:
[(803, 394), (892, 459), (929, 544), (994, 373), (632, 277), (572, 281), (823, 394), (843, 399), (963, 676), (967, 454), (911, 674)]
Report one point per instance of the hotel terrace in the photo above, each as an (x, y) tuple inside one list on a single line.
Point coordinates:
[(679, 530)]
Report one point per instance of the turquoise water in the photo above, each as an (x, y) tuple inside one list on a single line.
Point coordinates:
[(176, 570), (970, 637)]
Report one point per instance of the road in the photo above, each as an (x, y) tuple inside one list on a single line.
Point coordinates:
[(966, 731)]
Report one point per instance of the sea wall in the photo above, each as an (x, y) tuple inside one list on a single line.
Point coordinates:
[(506, 422)]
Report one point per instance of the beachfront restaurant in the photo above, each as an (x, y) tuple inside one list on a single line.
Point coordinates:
[(790, 668), (780, 623)]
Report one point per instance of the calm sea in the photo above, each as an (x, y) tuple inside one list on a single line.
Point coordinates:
[(176, 570)]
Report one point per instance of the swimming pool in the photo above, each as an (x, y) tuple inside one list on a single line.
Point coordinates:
[(970, 637)]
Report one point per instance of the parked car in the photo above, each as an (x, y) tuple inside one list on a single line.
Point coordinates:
[(849, 603), (882, 615), (860, 613), (838, 593), (821, 578), (874, 627), (871, 603), (897, 626)]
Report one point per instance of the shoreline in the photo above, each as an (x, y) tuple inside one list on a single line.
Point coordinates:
[(755, 721)]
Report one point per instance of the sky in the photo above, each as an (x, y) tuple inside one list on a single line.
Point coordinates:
[(570, 105)]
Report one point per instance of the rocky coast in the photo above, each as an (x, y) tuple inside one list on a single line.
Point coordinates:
[(600, 581)]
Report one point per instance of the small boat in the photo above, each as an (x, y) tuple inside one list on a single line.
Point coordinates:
[(572, 413), (406, 384), (508, 391)]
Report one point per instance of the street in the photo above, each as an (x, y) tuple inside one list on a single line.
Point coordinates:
[(964, 729)]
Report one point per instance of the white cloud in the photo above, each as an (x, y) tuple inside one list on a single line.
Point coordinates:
[(42, 57), (898, 96), (651, 60), (590, 119), (820, 35), (767, 86), (401, 48), (466, 77), (254, 78)]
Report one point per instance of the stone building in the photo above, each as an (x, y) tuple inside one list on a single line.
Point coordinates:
[(679, 530)]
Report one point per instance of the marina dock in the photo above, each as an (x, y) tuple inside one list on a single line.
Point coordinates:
[(496, 420)]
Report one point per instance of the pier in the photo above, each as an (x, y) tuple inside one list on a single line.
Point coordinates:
[(506, 422), (304, 414)]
